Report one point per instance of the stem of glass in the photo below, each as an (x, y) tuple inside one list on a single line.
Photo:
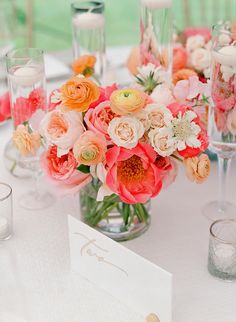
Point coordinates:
[(224, 166)]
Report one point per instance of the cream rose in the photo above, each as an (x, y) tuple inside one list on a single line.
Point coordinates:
[(162, 95), (144, 119), (162, 141), (200, 59), (195, 42), (231, 121), (158, 115), (26, 143), (126, 131), (197, 168), (62, 129)]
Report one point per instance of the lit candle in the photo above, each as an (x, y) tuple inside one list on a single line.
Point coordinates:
[(152, 318), (26, 75), (157, 4), (89, 20), (4, 228), (226, 55)]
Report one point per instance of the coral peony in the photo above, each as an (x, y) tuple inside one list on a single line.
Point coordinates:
[(127, 101), (169, 169), (84, 65), (180, 58), (5, 107), (105, 94), (26, 143), (90, 148), (133, 174), (78, 93)]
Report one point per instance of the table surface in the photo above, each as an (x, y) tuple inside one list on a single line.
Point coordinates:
[(35, 279)]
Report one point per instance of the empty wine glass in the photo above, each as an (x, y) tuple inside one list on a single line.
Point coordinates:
[(222, 114)]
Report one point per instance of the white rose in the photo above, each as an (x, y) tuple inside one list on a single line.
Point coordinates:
[(200, 59), (162, 141), (61, 129), (125, 131), (162, 95), (142, 116), (158, 115), (231, 121), (195, 42)]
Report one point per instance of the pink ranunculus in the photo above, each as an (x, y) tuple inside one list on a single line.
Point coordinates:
[(133, 174), (105, 94), (62, 170), (180, 58), (5, 107), (98, 119), (169, 169), (205, 32), (187, 89)]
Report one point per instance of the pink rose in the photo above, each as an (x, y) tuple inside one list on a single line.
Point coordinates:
[(90, 148), (5, 107), (98, 119), (62, 129), (205, 32), (105, 94), (62, 170), (132, 173)]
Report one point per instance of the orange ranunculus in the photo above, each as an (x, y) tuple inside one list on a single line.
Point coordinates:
[(84, 65), (78, 93), (182, 74)]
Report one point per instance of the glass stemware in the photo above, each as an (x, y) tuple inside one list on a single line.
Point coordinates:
[(26, 78), (222, 114)]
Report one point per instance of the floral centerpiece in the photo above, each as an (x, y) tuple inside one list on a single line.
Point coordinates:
[(121, 145)]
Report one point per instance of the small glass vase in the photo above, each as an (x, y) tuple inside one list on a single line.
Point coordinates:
[(112, 217)]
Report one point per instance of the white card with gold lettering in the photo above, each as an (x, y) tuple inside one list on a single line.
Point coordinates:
[(133, 280)]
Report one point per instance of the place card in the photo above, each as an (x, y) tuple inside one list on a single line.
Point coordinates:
[(130, 278)]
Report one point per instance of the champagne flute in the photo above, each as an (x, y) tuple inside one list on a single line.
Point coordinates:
[(222, 114)]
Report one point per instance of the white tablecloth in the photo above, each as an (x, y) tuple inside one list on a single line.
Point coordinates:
[(35, 280)]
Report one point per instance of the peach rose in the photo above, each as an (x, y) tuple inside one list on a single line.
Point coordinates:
[(62, 129), (90, 148), (180, 58), (197, 168), (127, 101), (78, 93), (183, 74), (84, 65), (134, 60), (25, 142)]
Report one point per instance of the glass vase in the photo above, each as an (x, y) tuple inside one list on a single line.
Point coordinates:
[(112, 217), (88, 28), (156, 34)]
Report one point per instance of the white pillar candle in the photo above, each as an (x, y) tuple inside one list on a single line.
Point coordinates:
[(226, 55), (4, 228), (157, 4), (26, 75), (89, 20)]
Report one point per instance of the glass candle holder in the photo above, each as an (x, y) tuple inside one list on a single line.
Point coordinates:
[(222, 249), (5, 211), (88, 28), (156, 33), (27, 89)]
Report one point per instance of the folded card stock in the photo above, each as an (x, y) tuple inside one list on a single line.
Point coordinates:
[(133, 280)]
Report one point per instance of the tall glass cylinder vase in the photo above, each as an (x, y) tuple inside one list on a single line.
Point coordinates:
[(156, 33), (26, 80), (222, 114), (88, 27)]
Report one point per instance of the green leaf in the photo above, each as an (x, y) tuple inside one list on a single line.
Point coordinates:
[(83, 168)]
